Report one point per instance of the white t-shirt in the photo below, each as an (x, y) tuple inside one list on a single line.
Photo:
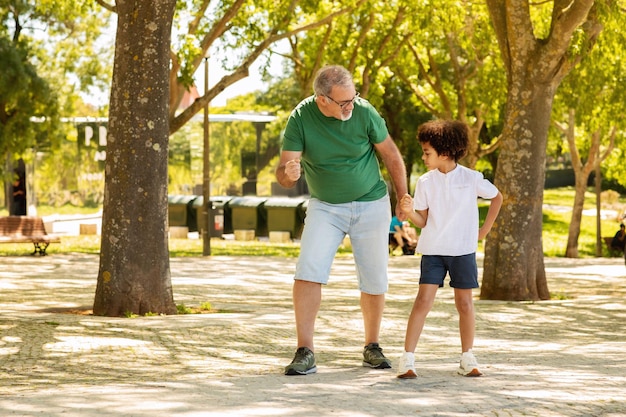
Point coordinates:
[(451, 199)]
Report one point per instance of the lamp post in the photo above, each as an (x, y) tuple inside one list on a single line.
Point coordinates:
[(206, 171)]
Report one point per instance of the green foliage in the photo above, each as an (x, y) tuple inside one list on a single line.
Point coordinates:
[(48, 54), (593, 90), (540, 13), (24, 95), (560, 295), (413, 65), (282, 95), (228, 142), (82, 184), (461, 75), (182, 309), (184, 145), (204, 307), (188, 51), (403, 115)]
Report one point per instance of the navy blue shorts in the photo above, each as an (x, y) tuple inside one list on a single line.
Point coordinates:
[(462, 269)]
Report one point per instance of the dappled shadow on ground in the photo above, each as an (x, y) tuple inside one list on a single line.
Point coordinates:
[(554, 358)]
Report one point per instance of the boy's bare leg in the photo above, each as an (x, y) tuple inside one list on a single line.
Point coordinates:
[(465, 307), (421, 307)]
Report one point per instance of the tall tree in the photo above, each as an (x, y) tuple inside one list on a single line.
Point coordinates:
[(587, 113), (134, 275), (537, 52), (582, 170)]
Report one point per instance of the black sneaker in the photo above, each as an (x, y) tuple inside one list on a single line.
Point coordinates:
[(374, 358), (303, 363)]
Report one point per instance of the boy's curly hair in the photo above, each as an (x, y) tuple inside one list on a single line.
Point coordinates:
[(447, 137)]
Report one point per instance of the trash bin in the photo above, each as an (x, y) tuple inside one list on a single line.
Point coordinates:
[(285, 214), (217, 215), (179, 209), (248, 213)]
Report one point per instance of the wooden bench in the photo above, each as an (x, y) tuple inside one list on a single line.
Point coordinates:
[(26, 229)]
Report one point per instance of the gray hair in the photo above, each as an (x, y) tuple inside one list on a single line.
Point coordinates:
[(329, 77)]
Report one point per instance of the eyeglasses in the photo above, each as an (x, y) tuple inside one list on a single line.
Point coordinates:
[(343, 104)]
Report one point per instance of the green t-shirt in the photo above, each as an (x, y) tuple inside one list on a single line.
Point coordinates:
[(338, 157)]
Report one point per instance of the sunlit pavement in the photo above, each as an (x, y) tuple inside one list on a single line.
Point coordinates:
[(565, 357)]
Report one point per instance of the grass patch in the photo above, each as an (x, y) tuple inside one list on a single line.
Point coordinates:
[(557, 215), (204, 308), (66, 209), (560, 295), (556, 224), (556, 220), (183, 309), (90, 244), (221, 247), (564, 196)]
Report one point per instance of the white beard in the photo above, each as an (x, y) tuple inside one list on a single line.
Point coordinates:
[(345, 118)]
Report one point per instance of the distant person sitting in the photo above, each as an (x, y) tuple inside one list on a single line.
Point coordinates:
[(402, 235), (619, 239)]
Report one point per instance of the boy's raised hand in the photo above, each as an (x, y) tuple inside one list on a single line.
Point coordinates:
[(406, 203)]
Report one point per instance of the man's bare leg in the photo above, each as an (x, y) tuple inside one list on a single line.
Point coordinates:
[(372, 307), (307, 298)]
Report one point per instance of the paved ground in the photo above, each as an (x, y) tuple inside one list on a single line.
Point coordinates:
[(557, 358)]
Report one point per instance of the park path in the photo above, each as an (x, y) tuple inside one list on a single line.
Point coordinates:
[(565, 357)]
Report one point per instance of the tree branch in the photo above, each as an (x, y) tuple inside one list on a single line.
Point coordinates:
[(109, 7), (176, 122)]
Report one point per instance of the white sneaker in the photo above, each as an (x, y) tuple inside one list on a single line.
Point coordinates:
[(469, 365), (406, 367)]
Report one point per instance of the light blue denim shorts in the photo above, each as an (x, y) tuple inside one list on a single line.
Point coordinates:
[(325, 226)]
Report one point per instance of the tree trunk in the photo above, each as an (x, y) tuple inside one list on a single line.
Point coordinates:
[(581, 173), (598, 189), (513, 265), (134, 275), (514, 268), (577, 214)]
